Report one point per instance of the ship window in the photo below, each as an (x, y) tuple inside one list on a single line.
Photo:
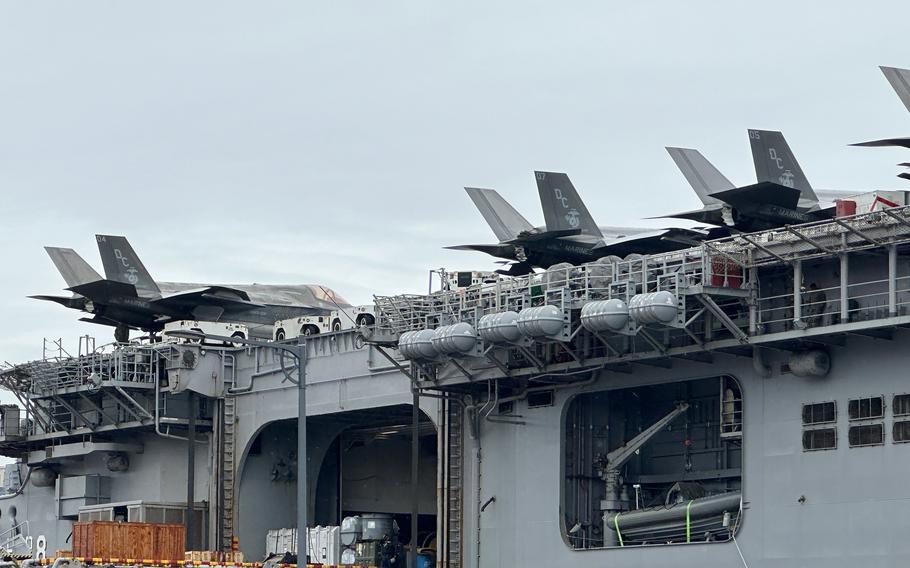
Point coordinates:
[(866, 435), (901, 404), (819, 413), (540, 399), (865, 408), (173, 516), (154, 515), (688, 440), (820, 439), (901, 431)]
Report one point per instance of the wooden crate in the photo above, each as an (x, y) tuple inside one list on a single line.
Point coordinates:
[(139, 541)]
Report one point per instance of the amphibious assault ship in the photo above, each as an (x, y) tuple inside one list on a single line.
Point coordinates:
[(739, 402)]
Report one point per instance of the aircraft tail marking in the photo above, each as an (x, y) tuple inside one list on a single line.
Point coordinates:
[(122, 264), (775, 162), (562, 206)]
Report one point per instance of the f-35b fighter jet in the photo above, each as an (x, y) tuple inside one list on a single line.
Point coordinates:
[(781, 196), (128, 298), (570, 233)]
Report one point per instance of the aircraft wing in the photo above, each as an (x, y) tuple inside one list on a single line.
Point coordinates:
[(764, 192), (651, 242), (708, 214), (517, 269), (74, 302), (103, 289), (207, 302), (902, 142), (209, 295), (100, 320), (530, 237), (498, 250)]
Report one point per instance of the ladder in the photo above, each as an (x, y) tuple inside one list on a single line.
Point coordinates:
[(454, 494), (227, 472)]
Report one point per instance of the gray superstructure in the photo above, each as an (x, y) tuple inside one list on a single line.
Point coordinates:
[(634, 413)]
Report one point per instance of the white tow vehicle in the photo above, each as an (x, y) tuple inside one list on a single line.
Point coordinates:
[(224, 329), (336, 320)]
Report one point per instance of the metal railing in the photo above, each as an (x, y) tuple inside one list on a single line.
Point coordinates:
[(713, 267), (128, 363), (565, 285), (16, 540)]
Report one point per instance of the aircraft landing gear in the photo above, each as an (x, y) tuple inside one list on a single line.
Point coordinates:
[(122, 334)]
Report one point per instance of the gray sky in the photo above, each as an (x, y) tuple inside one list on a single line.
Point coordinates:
[(305, 142)]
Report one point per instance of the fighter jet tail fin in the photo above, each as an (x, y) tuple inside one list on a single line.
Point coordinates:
[(122, 264), (506, 222), (900, 82), (775, 162), (74, 269), (563, 208), (701, 174)]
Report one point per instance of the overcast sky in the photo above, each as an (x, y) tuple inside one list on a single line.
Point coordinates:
[(304, 142)]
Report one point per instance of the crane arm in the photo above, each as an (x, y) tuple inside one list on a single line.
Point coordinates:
[(621, 455)]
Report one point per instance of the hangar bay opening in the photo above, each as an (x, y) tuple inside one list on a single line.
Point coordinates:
[(650, 465)]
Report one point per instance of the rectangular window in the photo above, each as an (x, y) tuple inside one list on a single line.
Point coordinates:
[(819, 413), (866, 408), (866, 435), (820, 439), (901, 431), (901, 404)]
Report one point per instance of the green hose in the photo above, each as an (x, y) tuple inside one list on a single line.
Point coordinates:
[(688, 523), (616, 525)]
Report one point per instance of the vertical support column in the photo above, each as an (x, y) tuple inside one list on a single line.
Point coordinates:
[(844, 288), (340, 498), (753, 301), (797, 294), (302, 501), (415, 456), (892, 280), (644, 274), (189, 523)]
